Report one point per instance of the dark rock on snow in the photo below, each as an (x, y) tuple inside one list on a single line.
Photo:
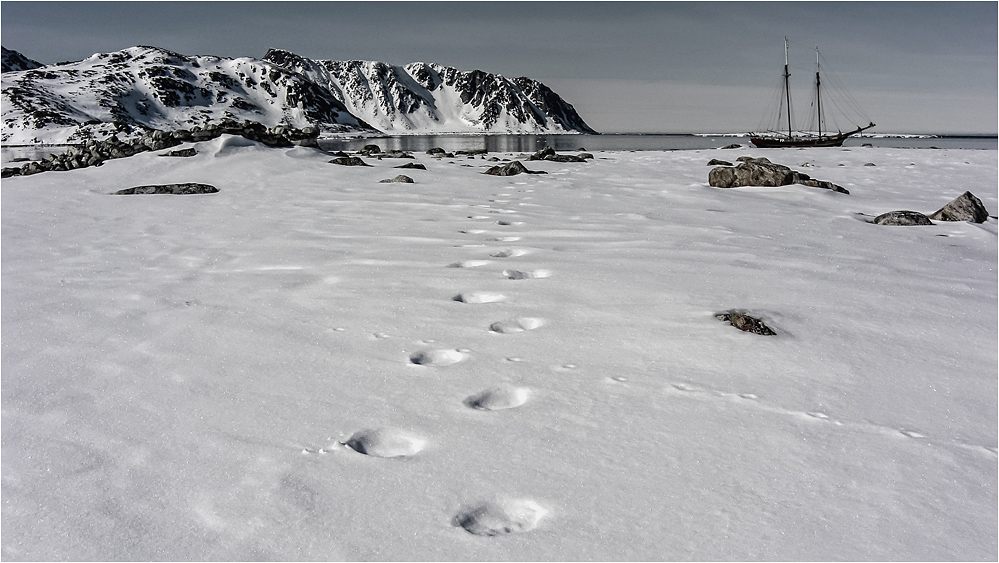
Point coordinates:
[(396, 154), (549, 153), (182, 152), (400, 179), (965, 207), (746, 323), (349, 161), (716, 162), (512, 169), (412, 166), (762, 172), (902, 219), (173, 189)]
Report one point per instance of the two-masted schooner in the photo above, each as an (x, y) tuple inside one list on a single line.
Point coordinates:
[(778, 137)]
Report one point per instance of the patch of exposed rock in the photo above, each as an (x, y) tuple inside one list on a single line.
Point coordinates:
[(549, 153), (182, 153), (746, 323), (762, 172), (349, 161), (412, 166), (400, 179), (902, 219), (395, 154), (511, 169), (189, 188)]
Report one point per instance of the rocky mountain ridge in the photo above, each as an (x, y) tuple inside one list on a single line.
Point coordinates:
[(428, 97), (136, 90), (12, 61)]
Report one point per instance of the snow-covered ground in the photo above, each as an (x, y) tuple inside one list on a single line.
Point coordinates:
[(191, 377)]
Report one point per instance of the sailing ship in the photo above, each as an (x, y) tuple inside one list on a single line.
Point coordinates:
[(821, 138)]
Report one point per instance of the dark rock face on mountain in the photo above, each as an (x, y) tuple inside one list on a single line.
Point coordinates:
[(139, 89), (965, 207), (12, 60), (427, 97)]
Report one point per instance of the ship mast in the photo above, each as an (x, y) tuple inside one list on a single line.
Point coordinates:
[(787, 88), (818, 92)]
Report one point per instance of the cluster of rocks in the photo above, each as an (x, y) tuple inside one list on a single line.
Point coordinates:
[(761, 172), (511, 169), (965, 207), (94, 153), (549, 153), (376, 151)]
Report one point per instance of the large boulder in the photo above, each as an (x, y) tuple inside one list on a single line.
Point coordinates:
[(902, 219), (512, 169), (189, 188), (752, 172), (966, 207), (762, 172)]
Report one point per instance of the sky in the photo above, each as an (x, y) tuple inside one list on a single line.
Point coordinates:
[(913, 67)]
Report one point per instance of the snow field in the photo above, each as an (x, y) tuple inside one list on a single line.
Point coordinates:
[(532, 357)]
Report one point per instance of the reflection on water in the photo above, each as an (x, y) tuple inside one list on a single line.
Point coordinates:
[(531, 143)]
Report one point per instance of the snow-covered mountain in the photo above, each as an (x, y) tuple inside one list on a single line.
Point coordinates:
[(142, 88), (12, 60), (432, 98), (130, 91)]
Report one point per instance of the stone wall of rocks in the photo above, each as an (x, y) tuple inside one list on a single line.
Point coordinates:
[(94, 153)]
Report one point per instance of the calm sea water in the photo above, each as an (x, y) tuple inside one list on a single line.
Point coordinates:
[(617, 142), (607, 142)]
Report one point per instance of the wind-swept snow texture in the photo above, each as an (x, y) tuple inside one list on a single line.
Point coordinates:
[(231, 376), (432, 98), (146, 87)]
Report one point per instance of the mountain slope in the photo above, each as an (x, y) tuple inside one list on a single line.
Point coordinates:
[(140, 88), (432, 98)]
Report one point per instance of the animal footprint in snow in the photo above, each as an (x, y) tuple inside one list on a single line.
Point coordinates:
[(498, 398), (388, 442), (509, 253), (479, 297), (436, 357), (516, 325), (529, 275), (500, 518), (468, 264)]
